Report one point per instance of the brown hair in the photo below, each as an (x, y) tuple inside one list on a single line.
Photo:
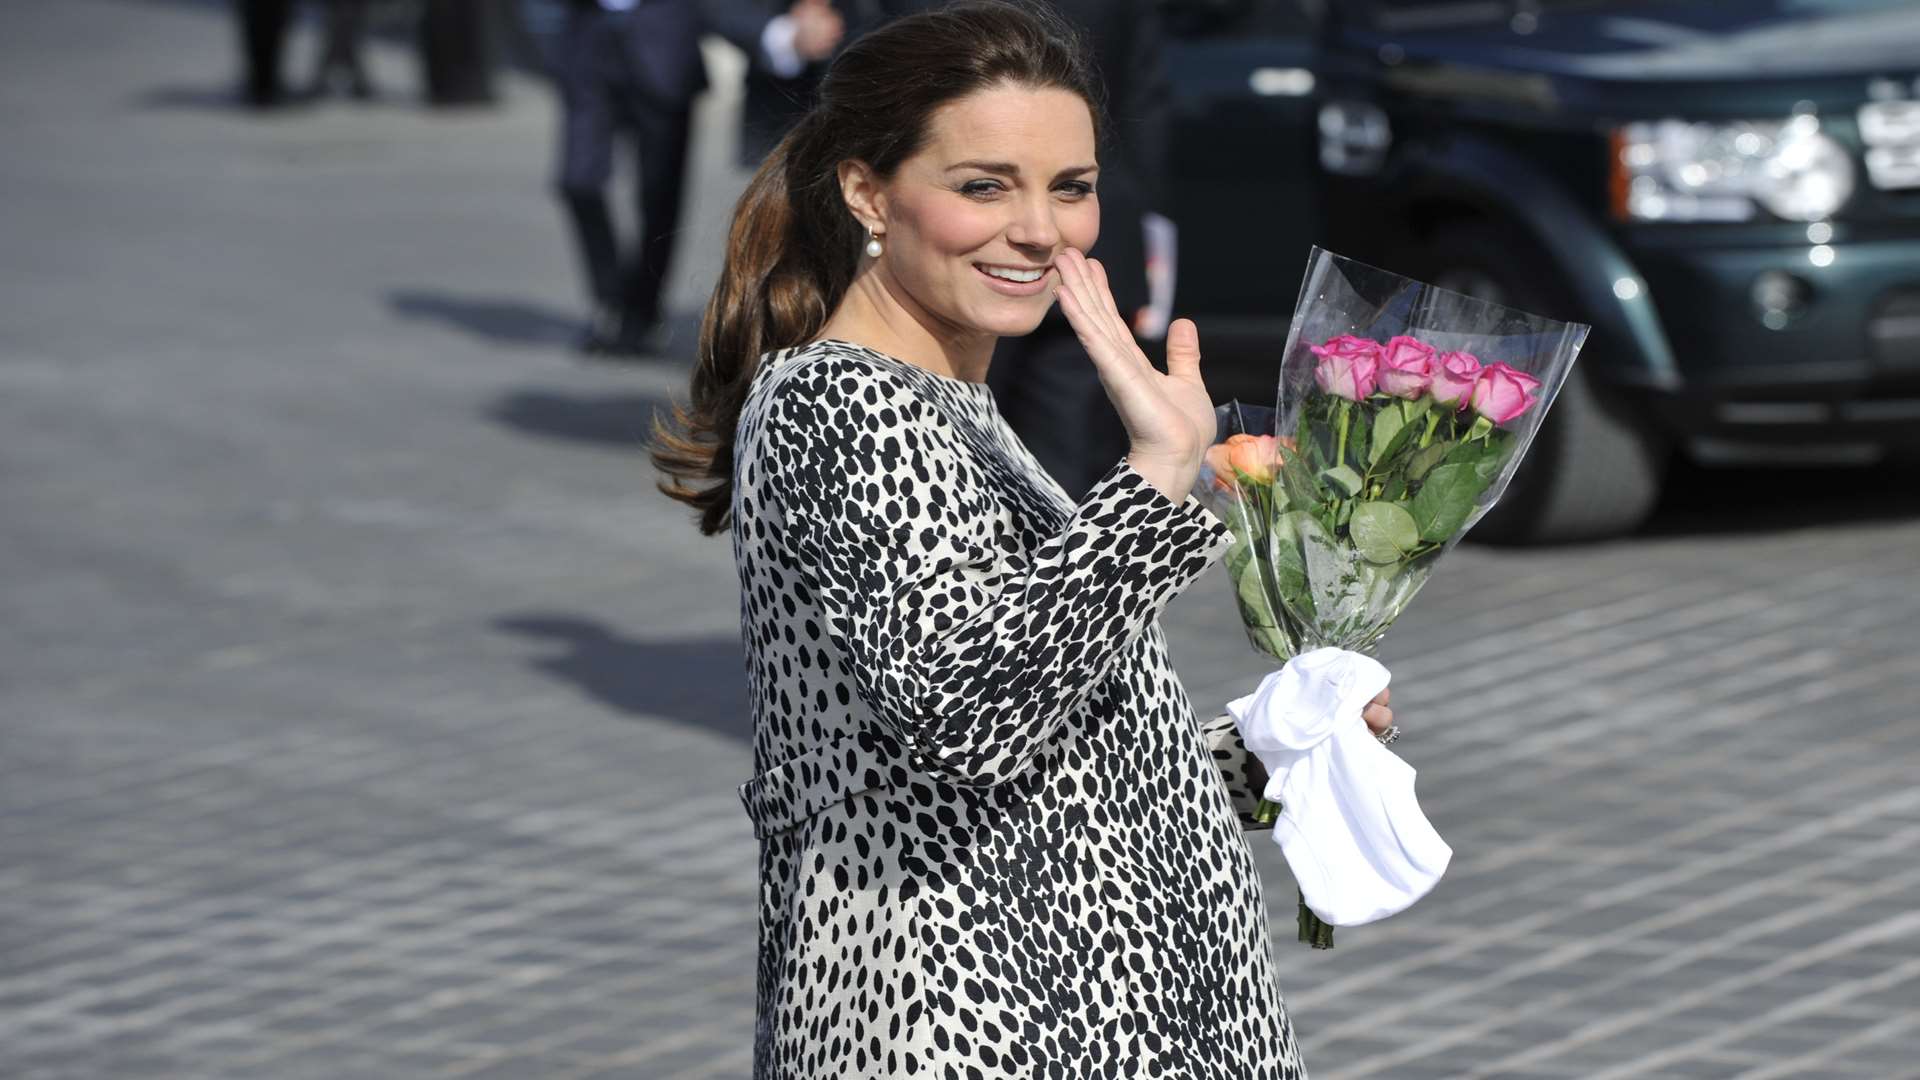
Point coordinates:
[(794, 247)]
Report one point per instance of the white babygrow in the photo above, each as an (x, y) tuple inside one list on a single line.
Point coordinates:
[(1349, 824)]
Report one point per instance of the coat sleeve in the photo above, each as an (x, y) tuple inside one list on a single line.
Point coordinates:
[(971, 655), (1241, 771)]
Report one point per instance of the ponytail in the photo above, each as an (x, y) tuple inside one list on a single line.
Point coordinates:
[(776, 289)]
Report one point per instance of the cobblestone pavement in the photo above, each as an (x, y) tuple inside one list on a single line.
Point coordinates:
[(364, 714)]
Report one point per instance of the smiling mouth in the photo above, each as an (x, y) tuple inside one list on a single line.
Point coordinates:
[(1018, 274)]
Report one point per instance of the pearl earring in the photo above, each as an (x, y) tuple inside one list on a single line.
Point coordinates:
[(873, 245)]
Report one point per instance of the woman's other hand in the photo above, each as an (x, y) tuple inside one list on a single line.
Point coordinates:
[(1168, 417), (1379, 718)]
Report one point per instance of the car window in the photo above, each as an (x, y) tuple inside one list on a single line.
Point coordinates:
[(1841, 5), (1404, 15)]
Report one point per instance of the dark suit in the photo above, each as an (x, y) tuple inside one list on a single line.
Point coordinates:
[(263, 39), (637, 71)]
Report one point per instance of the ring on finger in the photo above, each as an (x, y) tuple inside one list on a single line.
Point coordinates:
[(1389, 736)]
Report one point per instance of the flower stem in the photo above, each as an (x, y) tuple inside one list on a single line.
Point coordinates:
[(1433, 421), (1346, 417), (1313, 930)]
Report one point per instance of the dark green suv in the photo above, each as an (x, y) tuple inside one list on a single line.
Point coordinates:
[(1729, 192)]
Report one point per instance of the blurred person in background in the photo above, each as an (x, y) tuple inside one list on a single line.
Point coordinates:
[(339, 60), (455, 38), (263, 43), (635, 66)]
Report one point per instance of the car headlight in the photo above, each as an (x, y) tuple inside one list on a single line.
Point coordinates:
[(1672, 170)]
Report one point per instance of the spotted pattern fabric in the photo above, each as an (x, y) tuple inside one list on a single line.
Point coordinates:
[(995, 841)]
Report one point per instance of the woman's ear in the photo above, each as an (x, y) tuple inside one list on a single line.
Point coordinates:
[(864, 197)]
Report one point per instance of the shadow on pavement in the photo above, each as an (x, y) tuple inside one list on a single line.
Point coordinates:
[(697, 683), (621, 420), (209, 98), (510, 322), (226, 98), (1701, 501)]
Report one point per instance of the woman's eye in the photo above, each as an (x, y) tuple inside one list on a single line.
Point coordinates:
[(978, 188), (1079, 189)]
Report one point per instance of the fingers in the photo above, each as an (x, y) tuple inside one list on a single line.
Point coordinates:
[(1099, 274), (1071, 295), (1088, 279), (1124, 371), (1378, 716), (1090, 315), (1183, 351)]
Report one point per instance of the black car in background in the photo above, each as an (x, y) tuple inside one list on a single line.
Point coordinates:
[(1729, 192)]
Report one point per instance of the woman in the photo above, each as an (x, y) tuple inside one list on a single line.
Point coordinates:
[(994, 841)]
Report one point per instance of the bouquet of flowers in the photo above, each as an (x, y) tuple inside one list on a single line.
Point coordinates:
[(1403, 411)]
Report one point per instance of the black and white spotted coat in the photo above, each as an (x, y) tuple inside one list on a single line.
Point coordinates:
[(995, 839)]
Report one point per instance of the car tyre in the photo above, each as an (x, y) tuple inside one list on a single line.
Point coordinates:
[(1594, 470)]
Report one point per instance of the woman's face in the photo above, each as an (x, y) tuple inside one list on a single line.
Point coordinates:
[(972, 223)]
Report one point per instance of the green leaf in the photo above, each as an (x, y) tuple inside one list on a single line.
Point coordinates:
[(1424, 459), (1382, 532), (1290, 566), (1331, 578), (1275, 497), (1318, 429), (1359, 430), (1462, 452), (1271, 640), (1343, 479), (1302, 488), (1401, 445), (1386, 427), (1446, 500), (1494, 453), (1237, 557), (1484, 458), (1252, 589)]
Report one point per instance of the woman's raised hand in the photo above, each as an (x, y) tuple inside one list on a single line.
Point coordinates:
[(1168, 417)]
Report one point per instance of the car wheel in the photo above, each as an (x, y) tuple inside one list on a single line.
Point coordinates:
[(1593, 470)]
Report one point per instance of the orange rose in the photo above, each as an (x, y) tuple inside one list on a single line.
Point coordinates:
[(1253, 456), (1220, 467)]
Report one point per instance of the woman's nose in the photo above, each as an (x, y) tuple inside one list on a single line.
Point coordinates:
[(1034, 227)]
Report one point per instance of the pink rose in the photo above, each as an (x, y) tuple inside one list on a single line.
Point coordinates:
[(1349, 366), (1454, 374), (1503, 393), (1406, 367)]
